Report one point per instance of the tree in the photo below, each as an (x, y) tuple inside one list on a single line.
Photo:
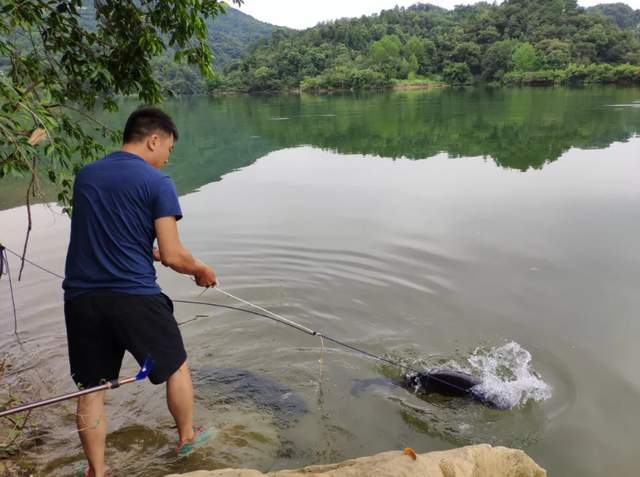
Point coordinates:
[(468, 53), (556, 54), (264, 79), (487, 35), (497, 60), (457, 74), (385, 54), (403, 69), (413, 66), (415, 47), (525, 57), (428, 61), (491, 39), (623, 15), (59, 67)]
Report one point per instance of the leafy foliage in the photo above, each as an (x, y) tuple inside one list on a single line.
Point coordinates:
[(228, 36), (622, 15), (575, 74), (491, 40), (525, 57), (457, 74), (60, 63), (346, 78)]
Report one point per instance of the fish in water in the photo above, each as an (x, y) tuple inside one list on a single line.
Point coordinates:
[(445, 382), (264, 392), (442, 381)]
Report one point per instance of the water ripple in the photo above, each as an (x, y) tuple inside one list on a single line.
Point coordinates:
[(401, 266)]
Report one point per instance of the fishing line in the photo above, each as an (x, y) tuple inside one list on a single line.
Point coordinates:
[(277, 318), (321, 352), (5, 260), (311, 332), (32, 263), (319, 334), (285, 321), (299, 327)]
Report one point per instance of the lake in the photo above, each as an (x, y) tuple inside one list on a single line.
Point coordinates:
[(493, 231)]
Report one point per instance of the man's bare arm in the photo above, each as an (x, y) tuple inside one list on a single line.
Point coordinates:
[(174, 255)]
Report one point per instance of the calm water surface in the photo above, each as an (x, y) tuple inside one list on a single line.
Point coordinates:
[(493, 230)]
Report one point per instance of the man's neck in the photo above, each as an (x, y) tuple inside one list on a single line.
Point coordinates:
[(137, 150)]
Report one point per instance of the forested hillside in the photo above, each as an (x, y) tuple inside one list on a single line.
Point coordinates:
[(531, 41), (622, 14), (228, 35)]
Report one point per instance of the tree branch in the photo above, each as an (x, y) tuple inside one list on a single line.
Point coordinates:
[(29, 221)]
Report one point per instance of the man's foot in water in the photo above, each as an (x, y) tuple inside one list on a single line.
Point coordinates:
[(200, 436)]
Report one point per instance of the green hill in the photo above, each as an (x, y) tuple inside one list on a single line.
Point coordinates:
[(229, 37), (622, 14), (230, 34), (533, 41)]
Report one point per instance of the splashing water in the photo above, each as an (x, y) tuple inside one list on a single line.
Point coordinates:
[(508, 381), (507, 377)]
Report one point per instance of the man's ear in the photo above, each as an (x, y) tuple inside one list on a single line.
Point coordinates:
[(152, 142)]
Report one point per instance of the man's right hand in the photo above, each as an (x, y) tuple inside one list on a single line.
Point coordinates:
[(205, 276), (172, 254)]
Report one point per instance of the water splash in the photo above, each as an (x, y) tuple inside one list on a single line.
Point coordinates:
[(507, 376)]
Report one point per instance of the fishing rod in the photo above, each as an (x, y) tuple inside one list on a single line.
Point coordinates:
[(113, 384), (297, 326), (461, 383)]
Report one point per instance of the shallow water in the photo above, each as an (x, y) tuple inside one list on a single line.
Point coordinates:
[(491, 230)]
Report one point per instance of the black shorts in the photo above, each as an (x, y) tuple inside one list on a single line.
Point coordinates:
[(101, 325)]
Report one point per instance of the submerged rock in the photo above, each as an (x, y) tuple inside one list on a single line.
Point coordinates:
[(472, 461), (240, 384)]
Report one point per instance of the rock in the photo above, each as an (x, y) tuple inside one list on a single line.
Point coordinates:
[(472, 461), (240, 384)]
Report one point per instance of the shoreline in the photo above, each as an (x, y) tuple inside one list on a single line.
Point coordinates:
[(418, 86), (409, 87), (480, 460)]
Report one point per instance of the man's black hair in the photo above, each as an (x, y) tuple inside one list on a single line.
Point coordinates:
[(145, 121)]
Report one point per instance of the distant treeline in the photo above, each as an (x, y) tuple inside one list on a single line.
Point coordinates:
[(536, 42), (518, 41)]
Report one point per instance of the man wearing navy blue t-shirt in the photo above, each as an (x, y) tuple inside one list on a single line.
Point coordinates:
[(121, 204)]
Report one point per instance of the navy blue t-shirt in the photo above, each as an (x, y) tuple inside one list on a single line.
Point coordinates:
[(115, 203)]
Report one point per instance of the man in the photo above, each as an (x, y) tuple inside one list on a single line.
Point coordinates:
[(121, 203)]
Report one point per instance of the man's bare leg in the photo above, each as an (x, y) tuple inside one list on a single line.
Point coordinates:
[(180, 402), (91, 421)]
